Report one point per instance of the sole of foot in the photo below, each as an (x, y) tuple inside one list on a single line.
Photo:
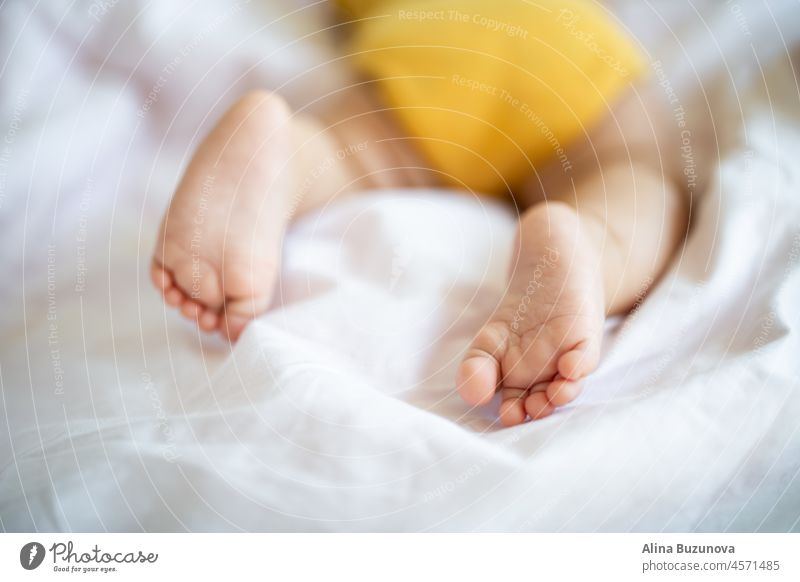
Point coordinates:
[(544, 339)]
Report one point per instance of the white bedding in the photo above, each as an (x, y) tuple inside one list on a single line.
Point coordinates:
[(336, 410)]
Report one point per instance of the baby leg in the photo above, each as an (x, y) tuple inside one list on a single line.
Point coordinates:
[(218, 250), (588, 247)]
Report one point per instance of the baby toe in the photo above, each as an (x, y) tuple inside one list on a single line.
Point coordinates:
[(563, 391), (208, 320), (160, 277), (200, 281), (191, 310), (580, 360), (512, 407), (232, 325), (538, 406), (173, 297), (248, 284)]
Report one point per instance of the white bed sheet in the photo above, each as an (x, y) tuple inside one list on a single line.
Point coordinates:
[(336, 410)]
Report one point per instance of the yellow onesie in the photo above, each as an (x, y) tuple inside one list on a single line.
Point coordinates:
[(488, 89)]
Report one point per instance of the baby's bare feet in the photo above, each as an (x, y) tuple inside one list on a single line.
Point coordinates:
[(545, 338), (216, 258)]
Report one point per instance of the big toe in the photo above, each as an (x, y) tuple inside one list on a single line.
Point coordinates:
[(477, 379), (480, 373)]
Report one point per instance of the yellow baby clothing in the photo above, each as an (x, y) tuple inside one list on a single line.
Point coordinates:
[(488, 89)]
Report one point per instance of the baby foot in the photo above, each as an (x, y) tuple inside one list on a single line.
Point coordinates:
[(219, 246), (545, 337)]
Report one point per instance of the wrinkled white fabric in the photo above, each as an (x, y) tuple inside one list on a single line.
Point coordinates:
[(336, 410)]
